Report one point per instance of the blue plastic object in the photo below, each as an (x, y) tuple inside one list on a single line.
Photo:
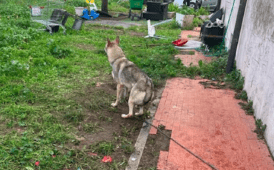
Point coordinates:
[(92, 16)]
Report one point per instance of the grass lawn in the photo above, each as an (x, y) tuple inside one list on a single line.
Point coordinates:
[(56, 90)]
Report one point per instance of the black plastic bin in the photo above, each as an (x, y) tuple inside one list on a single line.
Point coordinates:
[(156, 11), (212, 36)]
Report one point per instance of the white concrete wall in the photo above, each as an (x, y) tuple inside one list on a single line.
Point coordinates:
[(255, 59), (227, 5)]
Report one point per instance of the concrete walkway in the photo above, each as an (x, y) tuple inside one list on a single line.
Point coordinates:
[(192, 60), (210, 123)]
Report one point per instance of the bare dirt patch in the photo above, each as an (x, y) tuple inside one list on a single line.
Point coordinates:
[(155, 144), (101, 130)]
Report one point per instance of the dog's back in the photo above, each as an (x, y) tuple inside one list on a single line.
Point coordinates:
[(127, 73)]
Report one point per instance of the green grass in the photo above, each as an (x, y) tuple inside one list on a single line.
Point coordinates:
[(41, 76)]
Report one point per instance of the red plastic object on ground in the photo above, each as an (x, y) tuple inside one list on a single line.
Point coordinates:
[(107, 159), (37, 163), (180, 42)]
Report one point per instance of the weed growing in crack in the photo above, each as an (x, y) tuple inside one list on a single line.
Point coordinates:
[(235, 79), (153, 168), (242, 95), (260, 128), (248, 107), (126, 145)]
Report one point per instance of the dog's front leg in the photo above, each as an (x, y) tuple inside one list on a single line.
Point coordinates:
[(118, 97)]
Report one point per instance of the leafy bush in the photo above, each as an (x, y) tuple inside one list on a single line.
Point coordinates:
[(197, 22), (202, 11), (185, 10), (173, 8)]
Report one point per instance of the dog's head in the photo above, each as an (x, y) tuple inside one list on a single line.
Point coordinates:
[(112, 44)]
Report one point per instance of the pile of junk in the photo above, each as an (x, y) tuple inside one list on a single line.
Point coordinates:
[(213, 30)]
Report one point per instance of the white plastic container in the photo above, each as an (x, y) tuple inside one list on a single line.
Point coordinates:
[(79, 11)]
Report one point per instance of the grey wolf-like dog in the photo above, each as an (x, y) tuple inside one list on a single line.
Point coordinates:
[(129, 78)]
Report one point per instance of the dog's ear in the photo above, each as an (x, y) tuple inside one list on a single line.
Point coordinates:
[(109, 44), (117, 40)]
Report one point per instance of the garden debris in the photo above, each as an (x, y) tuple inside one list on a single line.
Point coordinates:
[(203, 17), (98, 84), (37, 163), (92, 154), (191, 44), (107, 159), (180, 42), (79, 138)]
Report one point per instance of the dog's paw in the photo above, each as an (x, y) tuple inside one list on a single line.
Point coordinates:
[(126, 116), (138, 114), (113, 104)]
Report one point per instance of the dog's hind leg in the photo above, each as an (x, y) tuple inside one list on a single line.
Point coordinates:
[(119, 94), (130, 106), (125, 92), (136, 98), (141, 111)]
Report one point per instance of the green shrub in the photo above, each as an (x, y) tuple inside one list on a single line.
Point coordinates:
[(197, 22), (202, 11), (173, 8), (185, 10)]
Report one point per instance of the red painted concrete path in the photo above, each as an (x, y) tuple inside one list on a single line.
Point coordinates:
[(193, 60), (211, 124)]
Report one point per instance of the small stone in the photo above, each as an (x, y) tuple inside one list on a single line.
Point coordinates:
[(80, 138), (156, 102)]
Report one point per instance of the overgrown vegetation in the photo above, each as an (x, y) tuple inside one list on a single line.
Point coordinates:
[(40, 76), (185, 10)]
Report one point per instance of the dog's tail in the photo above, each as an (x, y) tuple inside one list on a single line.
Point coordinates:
[(149, 92)]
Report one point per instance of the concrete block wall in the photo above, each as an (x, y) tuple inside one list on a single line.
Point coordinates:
[(255, 59), (227, 5)]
